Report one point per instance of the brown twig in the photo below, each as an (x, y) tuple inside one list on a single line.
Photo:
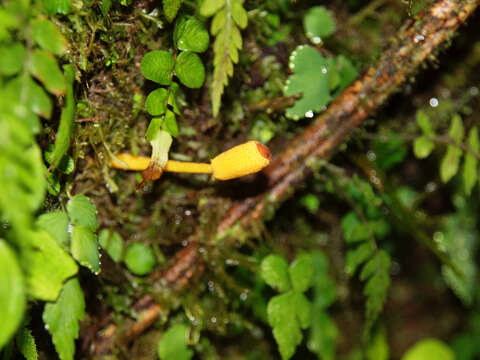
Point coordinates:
[(416, 42)]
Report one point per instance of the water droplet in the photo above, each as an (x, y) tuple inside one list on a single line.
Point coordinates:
[(243, 296), (69, 228), (309, 114), (371, 155), (418, 38), (430, 187), (213, 319), (188, 212), (474, 91), (317, 40), (433, 102), (324, 70)]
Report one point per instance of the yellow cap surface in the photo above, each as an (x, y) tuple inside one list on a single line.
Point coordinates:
[(241, 160)]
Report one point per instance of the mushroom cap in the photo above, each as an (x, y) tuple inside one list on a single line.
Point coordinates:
[(241, 160)]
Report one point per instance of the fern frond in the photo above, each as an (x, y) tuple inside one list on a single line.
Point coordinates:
[(229, 17)]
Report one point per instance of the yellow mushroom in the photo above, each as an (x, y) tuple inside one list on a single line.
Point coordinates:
[(241, 160)]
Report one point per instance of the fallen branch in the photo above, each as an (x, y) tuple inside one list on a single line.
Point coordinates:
[(415, 43)]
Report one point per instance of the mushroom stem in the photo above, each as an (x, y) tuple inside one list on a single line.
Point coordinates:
[(140, 163), (244, 159)]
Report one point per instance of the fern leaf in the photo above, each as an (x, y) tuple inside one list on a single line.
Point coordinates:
[(376, 274), (229, 17)]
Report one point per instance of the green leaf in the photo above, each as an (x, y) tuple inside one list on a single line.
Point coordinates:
[(389, 153), (84, 248), (190, 70), (155, 103), (53, 184), (12, 58), (303, 309), (112, 243), (376, 273), (66, 164), (25, 91), (422, 147), (274, 270), (139, 259), (12, 293), (105, 6), (323, 335), (470, 166), (62, 317), (170, 8), (451, 160), (301, 272), (354, 230), (458, 237), (346, 73), (424, 123), (210, 7), (67, 120), (378, 347), (286, 329), (157, 66), (356, 257), (47, 35), (318, 24), (324, 291), (45, 68), (82, 212), (170, 124), (53, 7), (227, 43), (48, 266), (310, 78), (56, 224), (173, 344), (239, 14), (153, 128), (190, 34), (22, 178), (26, 344), (429, 349), (310, 202)]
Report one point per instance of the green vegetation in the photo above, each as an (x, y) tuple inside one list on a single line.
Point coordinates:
[(374, 256)]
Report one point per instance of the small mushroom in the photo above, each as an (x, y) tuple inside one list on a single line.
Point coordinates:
[(244, 159)]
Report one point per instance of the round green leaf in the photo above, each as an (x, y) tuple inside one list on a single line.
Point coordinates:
[(157, 66), (82, 212), (318, 23), (422, 147), (12, 293), (274, 270), (429, 349), (112, 242), (155, 103), (139, 259), (173, 344), (190, 70), (190, 34), (170, 124), (301, 272)]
